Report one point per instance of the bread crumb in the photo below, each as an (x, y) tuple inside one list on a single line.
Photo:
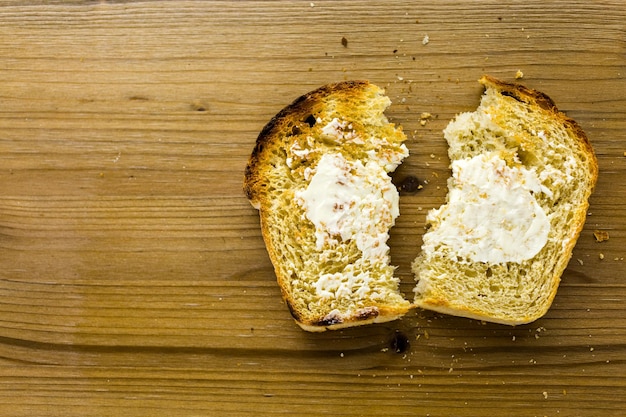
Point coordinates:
[(424, 117), (601, 256), (580, 261), (545, 395), (425, 40), (519, 74), (344, 42), (601, 235)]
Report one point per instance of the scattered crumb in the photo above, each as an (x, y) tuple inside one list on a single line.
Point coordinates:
[(601, 256), (624, 153), (545, 395), (312, 4), (341, 354), (344, 42), (601, 235), (580, 261), (519, 74), (426, 335), (424, 117), (425, 40)]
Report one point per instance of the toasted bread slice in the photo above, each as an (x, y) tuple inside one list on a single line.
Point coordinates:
[(522, 173), (319, 177)]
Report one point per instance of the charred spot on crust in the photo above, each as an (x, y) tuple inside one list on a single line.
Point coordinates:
[(545, 102), (310, 120), (329, 320), (367, 313)]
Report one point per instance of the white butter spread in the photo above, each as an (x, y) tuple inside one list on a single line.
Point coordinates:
[(491, 215), (340, 131), (350, 200), (344, 284)]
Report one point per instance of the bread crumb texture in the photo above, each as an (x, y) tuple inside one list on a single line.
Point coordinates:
[(601, 235), (517, 201), (319, 176)]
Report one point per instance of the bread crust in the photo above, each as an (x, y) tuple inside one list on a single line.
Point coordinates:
[(296, 117)]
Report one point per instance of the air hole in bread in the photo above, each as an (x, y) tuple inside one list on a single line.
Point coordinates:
[(527, 158), (508, 94), (295, 131), (310, 120)]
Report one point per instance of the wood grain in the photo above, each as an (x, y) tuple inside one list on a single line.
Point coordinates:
[(133, 277)]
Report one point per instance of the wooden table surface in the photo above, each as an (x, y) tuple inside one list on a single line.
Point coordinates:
[(133, 277)]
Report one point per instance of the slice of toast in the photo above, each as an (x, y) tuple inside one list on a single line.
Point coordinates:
[(319, 177), (522, 173)]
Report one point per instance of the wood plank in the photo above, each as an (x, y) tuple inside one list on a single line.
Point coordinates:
[(133, 276)]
